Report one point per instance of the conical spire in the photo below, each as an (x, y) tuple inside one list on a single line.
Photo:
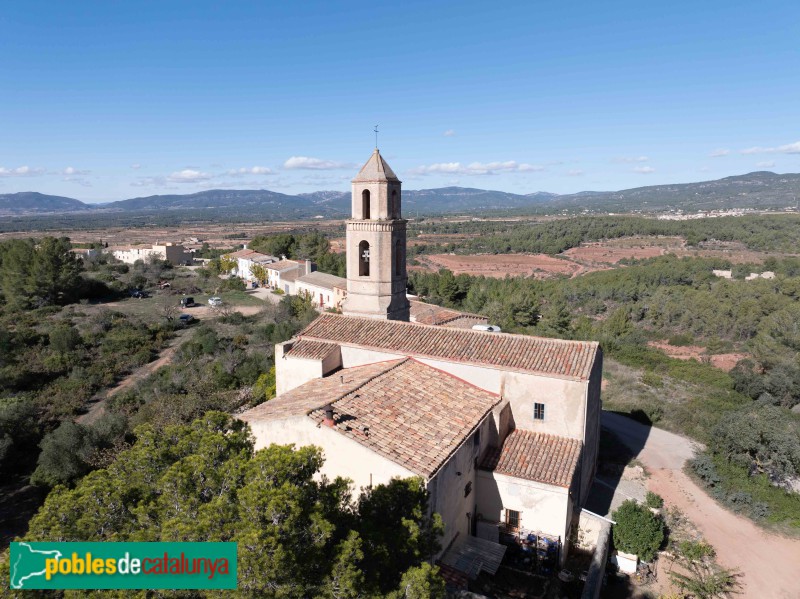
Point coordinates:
[(375, 169)]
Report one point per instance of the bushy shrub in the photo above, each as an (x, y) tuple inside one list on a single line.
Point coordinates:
[(654, 500), (637, 530)]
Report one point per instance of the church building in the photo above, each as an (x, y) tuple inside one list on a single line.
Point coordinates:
[(502, 428)]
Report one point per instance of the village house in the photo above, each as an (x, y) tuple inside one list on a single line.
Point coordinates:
[(171, 252), (245, 260), (283, 274), (503, 429), (324, 290)]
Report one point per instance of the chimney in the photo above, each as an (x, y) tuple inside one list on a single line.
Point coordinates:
[(328, 421), (309, 267)]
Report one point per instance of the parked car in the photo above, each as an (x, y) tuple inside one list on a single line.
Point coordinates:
[(215, 301), (187, 302), (185, 319), (138, 293)]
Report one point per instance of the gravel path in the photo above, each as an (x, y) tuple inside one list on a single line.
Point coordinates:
[(769, 563)]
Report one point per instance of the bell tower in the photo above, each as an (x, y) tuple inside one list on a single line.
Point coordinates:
[(376, 245)]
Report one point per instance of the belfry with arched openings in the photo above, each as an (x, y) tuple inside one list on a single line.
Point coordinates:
[(376, 245)]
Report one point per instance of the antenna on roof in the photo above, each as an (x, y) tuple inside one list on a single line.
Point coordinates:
[(376, 136)]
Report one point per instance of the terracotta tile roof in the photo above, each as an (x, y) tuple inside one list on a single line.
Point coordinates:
[(282, 265), (324, 280), (314, 394), (433, 314), (535, 456), (242, 254), (313, 350), (412, 414), (554, 357)]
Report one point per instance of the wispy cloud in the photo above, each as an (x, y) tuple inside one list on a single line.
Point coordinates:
[(253, 170), (644, 170), (631, 159), (575, 173), (765, 164), (71, 171), (476, 168), (793, 148), (449, 133), (314, 164), (21, 171), (188, 176), (82, 181), (136, 166), (719, 152)]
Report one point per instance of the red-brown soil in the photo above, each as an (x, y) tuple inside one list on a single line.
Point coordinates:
[(500, 265), (687, 352)]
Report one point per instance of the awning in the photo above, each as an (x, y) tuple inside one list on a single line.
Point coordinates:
[(474, 555)]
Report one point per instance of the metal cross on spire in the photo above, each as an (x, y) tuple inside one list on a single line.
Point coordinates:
[(376, 136)]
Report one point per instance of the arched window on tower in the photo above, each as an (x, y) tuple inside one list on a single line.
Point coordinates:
[(394, 208), (365, 204), (398, 258), (363, 259)]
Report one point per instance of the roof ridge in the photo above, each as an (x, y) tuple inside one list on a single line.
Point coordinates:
[(390, 366), (440, 328)]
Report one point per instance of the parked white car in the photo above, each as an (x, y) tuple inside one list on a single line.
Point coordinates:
[(215, 301)]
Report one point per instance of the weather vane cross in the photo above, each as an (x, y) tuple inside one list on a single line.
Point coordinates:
[(376, 136)]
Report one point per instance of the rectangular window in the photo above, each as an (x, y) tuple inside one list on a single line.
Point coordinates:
[(476, 439), (512, 518), (538, 411), (468, 489)]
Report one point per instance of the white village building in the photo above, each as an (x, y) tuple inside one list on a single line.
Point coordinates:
[(172, 252), (502, 428)]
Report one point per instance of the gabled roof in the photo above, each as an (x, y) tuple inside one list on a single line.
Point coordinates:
[(304, 399), (375, 170), (433, 314), (312, 350), (535, 456), (404, 410), (537, 355), (283, 265), (324, 280)]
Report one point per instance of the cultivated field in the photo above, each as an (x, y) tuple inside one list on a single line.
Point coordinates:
[(501, 265)]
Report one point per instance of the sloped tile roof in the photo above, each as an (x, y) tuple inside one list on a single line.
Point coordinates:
[(411, 414), (283, 265), (433, 314), (535, 456), (316, 393), (312, 350), (538, 355), (324, 280), (243, 254)]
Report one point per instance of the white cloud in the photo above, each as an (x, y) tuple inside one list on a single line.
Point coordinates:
[(644, 170), (631, 159), (136, 166), (449, 133), (719, 152), (765, 164), (308, 163), (476, 168), (575, 173), (253, 170), (793, 148), (20, 171), (188, 176), (70, 171)]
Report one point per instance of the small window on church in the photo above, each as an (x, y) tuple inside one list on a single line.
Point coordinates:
[(365, 204), (538, 411), (363, 259)]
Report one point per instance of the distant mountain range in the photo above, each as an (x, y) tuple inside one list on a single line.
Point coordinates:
[(755, 190)]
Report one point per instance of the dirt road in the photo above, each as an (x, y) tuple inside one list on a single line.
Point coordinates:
[(769, 563)]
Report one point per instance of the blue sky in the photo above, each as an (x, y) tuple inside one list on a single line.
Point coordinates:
[(108, 100)]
